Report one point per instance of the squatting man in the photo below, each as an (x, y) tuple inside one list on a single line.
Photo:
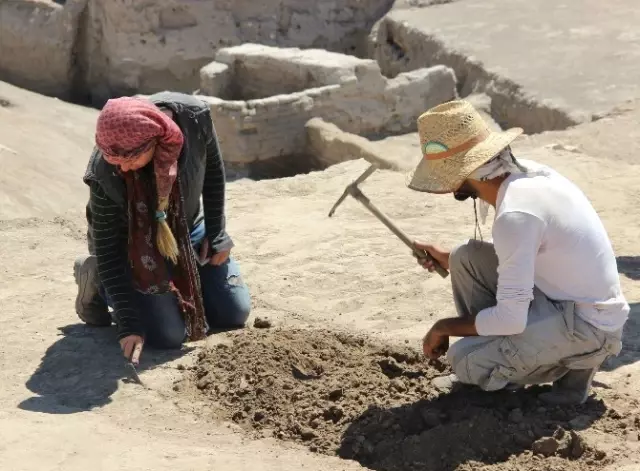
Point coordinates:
[(540, 304)]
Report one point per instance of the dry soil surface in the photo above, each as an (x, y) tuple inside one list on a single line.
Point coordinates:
[(343, 394), (67, 402)]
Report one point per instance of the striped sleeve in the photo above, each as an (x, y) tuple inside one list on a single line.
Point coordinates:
[(110, 241), (213, 194)]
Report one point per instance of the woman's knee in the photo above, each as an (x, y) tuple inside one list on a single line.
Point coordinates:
[(231, 310), (225, 294), (238, 309), (164, 338), (241, 313), (162, 320)]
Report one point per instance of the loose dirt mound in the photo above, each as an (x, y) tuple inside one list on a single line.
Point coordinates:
[(307, 385), (342, 394)]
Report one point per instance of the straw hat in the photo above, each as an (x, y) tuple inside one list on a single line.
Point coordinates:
[(455, 141)]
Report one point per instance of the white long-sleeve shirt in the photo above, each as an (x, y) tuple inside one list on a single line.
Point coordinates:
[(547, 234)]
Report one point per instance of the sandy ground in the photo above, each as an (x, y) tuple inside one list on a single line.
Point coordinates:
[(41, 140), (66, 402)]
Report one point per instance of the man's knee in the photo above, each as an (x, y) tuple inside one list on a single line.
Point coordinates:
[(460, 351), (459, 256), (455, 353), (469, 252), (475, 360)]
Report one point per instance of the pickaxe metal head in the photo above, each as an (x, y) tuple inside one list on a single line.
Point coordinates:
[(367, 173)]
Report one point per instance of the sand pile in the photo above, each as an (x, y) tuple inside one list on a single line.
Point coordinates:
[(343, 394)]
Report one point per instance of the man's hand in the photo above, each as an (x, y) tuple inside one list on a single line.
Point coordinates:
[(435, 343), (441, 255), (218, 258), (132, 348)]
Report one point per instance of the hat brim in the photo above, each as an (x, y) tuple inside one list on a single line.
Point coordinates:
[(446, 175)]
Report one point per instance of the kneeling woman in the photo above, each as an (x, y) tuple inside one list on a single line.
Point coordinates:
[(157, 255)]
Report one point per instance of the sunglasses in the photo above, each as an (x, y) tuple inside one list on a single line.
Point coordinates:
[(464, 192), (459, 196), (464, 195)]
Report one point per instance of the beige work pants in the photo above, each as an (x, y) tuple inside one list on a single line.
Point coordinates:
[(554, 341)]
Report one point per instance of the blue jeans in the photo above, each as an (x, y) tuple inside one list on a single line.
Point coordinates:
[(226, 299), (226, 305)]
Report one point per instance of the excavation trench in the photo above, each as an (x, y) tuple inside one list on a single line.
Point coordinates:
[(345, 395), (277, 167), (398, 47)]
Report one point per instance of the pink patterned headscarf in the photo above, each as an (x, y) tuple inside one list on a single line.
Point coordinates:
[(128, 126)]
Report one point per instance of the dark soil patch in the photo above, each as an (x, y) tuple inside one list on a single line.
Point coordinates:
[(346, 395)]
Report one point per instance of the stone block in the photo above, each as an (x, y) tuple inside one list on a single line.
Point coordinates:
[(164, 44), (330, 145), (413, 93), (262, 71), (482, 103), (215, 80), (37, 44), (366, 105)]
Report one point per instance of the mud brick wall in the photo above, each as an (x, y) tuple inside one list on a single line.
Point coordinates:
[(261, 71), (367, 104), (38, 44), (99, 49)]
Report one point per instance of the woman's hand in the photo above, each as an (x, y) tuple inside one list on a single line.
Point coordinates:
[(218, 258), (132, 348)]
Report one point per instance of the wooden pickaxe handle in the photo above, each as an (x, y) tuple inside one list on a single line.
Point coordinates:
[(420, 254)]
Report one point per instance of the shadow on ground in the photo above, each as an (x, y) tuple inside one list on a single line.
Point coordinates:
[(629, 267), (468, 428), (630, 342), (81, 370)]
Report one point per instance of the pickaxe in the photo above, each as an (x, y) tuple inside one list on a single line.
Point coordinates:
[(353, 190)]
